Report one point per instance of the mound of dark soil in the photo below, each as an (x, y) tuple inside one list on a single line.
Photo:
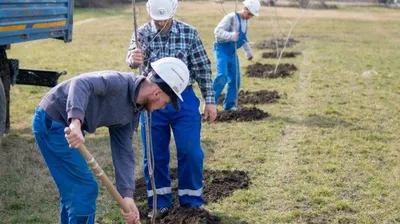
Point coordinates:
[(267, 70), (241, 114), (284, 54), (273, 43), (256, 97), (189, 216), (218, 184), (221, 184)]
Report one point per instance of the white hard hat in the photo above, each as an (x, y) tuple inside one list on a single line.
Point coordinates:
[(253, 6), (175, 73), (161, 9)]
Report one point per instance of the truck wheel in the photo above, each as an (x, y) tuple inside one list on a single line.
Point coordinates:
[(4, 92), (2, 111), (5, 83)]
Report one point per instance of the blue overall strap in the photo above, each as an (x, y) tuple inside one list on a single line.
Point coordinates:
[(240, 22), (242, 35)]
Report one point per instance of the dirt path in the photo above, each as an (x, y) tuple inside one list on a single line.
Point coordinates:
[(80, 22), (97, 20)]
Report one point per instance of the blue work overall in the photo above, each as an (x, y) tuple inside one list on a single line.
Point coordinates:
[(76, 184), (186, 126), (228, 69)]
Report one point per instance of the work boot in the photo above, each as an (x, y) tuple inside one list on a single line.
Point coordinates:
[(161, 213)]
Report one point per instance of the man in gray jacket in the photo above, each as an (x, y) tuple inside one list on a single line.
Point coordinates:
[(100, 99)]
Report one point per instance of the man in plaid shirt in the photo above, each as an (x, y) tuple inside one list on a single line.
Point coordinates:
[(167, 37)]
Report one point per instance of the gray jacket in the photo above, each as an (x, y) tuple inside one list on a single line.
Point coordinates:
[(102, 99), (226, 29)]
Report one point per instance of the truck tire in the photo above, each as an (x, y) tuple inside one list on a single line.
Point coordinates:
[(4, 92), (2, 111)]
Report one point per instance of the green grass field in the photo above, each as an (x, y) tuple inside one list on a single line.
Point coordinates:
[(329, 152)]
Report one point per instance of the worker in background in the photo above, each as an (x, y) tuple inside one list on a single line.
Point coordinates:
[(231, 34)]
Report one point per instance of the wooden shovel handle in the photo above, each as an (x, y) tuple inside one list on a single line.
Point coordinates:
[(99, 173)]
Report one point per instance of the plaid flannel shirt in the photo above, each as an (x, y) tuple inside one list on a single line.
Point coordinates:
[(182, 42)]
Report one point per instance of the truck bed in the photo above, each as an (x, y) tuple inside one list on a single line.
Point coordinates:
[(26, 20)]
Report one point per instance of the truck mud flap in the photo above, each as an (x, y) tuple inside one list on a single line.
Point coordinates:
[(31, 76), (38, 77)]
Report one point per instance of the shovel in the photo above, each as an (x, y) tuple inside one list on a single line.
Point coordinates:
[(99, 173)]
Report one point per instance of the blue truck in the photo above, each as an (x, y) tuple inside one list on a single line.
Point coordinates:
[(29, 20)]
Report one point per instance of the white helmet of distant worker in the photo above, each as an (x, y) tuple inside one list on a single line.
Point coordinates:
[(161, 9), (253, 6)]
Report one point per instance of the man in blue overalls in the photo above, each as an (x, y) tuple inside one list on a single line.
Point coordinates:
[(230, 35), (164, 36)]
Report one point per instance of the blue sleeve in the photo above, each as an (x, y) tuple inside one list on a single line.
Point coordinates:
[(123, 158)]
